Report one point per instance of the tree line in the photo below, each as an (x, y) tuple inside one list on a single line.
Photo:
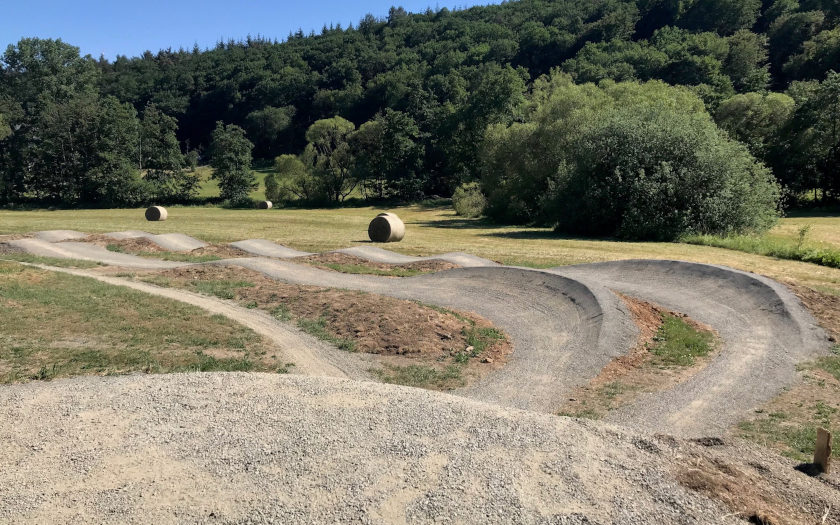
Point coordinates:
[(411, 105)]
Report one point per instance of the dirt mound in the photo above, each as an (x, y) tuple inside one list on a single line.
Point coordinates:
[(128, 244), (146, 246), (347, 263)]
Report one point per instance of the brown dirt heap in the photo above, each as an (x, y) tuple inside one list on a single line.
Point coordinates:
[(322, 260), (143, 245), (824, 307)]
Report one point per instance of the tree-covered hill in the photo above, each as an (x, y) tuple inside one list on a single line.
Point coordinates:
[(435, 81)]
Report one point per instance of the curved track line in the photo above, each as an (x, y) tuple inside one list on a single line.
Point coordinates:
[(560, 332), (264, 248), (765, 332)]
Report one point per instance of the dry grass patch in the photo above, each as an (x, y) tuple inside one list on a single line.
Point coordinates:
[(402, 333), (59, 325), (670, 349)]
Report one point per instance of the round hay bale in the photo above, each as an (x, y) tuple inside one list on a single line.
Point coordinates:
[(265, 205), (388, 214), (386, 228), (156, 213)]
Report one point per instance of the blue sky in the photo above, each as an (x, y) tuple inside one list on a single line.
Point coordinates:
[(131, 27)]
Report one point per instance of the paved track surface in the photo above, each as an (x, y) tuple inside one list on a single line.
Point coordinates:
[(88, 252), (567, 324), (765, 332), (258, 448), (560, 333), (266, 248)]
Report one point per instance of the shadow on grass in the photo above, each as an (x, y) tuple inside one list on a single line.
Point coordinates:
[(458, 223), (547, 234), (814, 213)]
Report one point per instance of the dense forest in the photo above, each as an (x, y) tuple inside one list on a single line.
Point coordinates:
[(416, 105)]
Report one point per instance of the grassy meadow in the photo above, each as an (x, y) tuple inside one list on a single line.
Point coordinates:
[(48, 332)]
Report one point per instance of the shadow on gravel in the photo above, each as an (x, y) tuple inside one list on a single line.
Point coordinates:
[(810, 469)]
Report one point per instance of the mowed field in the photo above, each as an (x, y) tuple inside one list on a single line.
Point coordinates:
[(431, 230)]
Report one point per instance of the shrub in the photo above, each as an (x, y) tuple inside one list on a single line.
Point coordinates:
[(660, 174), (468, 200), (636, 161), (230, 157), (297, 181)]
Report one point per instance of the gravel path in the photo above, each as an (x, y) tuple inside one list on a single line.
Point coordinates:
[(258, 448)]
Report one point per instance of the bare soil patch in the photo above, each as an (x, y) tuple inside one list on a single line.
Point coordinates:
[(144, 246), (823, 306), (748, 493), (624, 378), (403, 333), (346, 263), (8, 248)]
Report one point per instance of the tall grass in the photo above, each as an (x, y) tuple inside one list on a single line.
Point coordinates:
[(783, 249)]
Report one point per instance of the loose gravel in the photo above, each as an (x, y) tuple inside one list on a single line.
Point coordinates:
[(258, 448)]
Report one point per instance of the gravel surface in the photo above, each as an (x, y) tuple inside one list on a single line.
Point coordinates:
[(258, 448)]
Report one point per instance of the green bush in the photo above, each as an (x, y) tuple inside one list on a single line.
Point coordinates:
[(468, 200), (633, 160), (297, 181), (661, 174)]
